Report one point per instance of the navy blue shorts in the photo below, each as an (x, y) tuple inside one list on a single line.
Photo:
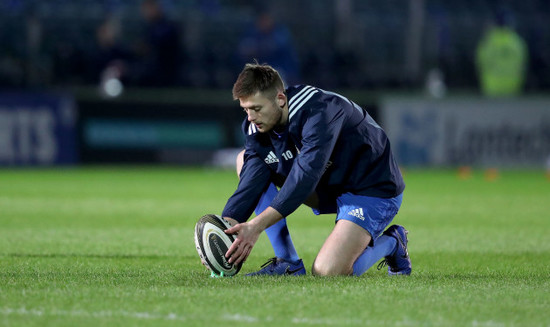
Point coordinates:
[(371, 213)]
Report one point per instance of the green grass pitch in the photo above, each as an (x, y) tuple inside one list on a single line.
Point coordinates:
[(114, 246)]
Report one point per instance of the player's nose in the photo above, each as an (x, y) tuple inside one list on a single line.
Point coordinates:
[(251, 116)]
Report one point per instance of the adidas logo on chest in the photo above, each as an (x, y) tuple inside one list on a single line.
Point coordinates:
[(271, 158)]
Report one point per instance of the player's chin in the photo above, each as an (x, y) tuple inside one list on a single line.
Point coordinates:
[(262, 129)]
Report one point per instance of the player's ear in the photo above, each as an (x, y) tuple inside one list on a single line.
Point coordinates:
[(281, 99)]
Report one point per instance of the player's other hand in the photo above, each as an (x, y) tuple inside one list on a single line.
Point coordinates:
[(247, 235), (204, 263)]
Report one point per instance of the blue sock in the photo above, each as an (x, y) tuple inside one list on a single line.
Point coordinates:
[(384, 246), (278, 234)]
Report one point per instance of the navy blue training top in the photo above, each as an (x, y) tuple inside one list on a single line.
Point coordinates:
[(330, 145)]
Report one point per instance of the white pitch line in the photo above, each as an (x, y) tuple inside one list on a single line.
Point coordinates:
[(92, 314), (489, 323), (236, 317), (240, 318)]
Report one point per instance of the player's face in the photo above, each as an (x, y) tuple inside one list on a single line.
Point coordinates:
[(263, 112)]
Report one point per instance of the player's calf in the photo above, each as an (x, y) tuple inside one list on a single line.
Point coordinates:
[(342, 247)]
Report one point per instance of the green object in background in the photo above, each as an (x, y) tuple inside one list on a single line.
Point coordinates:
[(143, 134), (501, 62)]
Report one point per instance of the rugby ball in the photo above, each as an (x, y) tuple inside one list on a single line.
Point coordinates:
[(212, 243)]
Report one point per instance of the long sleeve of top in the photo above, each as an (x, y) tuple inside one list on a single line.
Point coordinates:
[(253, 180), (329, 146)]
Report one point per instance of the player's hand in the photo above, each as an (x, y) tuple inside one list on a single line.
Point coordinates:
[(247, 235), (204, 263)]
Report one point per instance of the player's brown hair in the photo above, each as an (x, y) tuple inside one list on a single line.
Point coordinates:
[(258, 78)]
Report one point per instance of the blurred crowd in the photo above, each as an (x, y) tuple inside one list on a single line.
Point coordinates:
[(204, 43)]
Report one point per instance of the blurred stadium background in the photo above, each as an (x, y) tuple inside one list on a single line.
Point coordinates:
[(122, 81), (140, 102)]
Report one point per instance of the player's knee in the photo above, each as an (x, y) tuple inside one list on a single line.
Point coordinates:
[(320, 268), (317, 269), (239, 162)]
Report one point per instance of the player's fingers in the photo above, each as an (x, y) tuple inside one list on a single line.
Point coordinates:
[(247, 253), (237, 251), (234, 257), (233, 230), (232, 248), (243, 255)]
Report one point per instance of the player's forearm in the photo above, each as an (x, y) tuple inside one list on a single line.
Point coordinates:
[(267, 218)]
